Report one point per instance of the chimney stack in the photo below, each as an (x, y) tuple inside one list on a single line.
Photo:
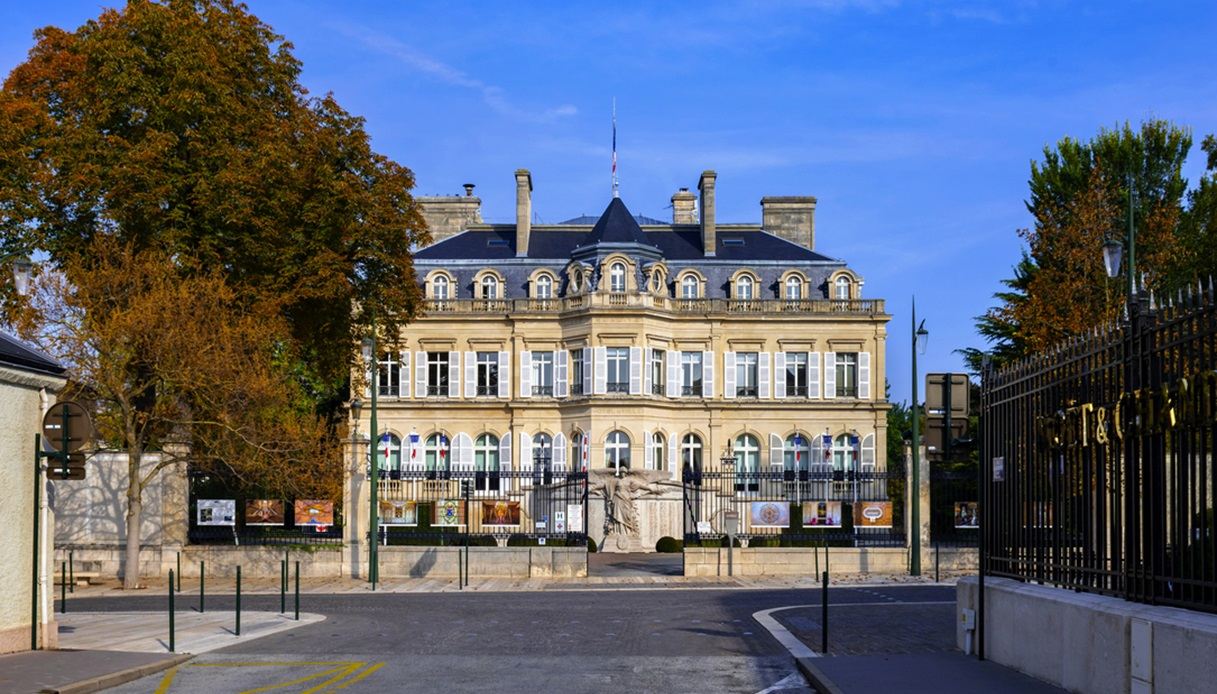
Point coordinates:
[(449, 215), (684, 207), (523, 211), (468, 190), (790, 217), (706, 186)]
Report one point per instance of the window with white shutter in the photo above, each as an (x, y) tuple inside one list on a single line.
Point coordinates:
[(777, 452), (471, 374), (779, 375), (525, 374), (635, 371), (454, 375), (864, 375), (830, 374), (504, 374), (586, 357), (673, 461), (561, 373), (505, 462), (600, 367), (648, 454), (729, 375), (404, 376), (868, 452), (560, 452), (762, 378), (813, 375), (707, 374), (673, 373), (525, 460), (420, 374), (462, 452)]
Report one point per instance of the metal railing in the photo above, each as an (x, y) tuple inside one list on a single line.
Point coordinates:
[(867, 307)]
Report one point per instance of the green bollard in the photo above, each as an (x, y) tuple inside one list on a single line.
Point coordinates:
[(202, 584), (63, 587), (179, 572), (297, 590), (824, 616), (283, 586), (238, 633), (171, 643), (71, 573)]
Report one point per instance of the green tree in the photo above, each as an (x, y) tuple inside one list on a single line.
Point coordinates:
[(1198, 228)]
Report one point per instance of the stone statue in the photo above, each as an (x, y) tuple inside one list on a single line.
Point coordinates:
[(620, 493)]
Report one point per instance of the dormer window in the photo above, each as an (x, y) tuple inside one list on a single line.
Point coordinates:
[(794, 289), (688, 287), (617, 278), (841, 288), (439, 288), (744, 288), (490, 287), (545, 287)]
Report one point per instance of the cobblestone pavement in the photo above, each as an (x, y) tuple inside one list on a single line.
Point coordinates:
[(870, 629)]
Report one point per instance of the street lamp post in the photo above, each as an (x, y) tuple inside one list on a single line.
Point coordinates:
[(920, 336), (369, 354)]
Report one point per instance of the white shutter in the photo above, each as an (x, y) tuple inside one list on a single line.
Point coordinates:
[(635, 371), (454, 374), (729, 375), (648, 453), (673, 464), (813, 375), (864, 375), (779, 375), (600, 376), (504, 374), (505, 462), (462, 452), (471, 374), (673, 374), (707, 374), (586, 357), (561, 378), (525, 459), (648, 358), (413, 452), (403, 375), (525, 373), (868, 450), (420, 374), (762, 375), (560, 451), (777, 451), (830, 374)]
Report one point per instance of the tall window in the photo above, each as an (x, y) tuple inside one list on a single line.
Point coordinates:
[(488, 373), (486, 462), (796, 374), (688, 287), (578, 461), (436, 454), (744, 288), (545, 287), (389, 450), (798, 452), (617, 451), (490, 287), (841, 288), (794, 288), (843, 453), (439, 288), (657, 445), (542, 373), (617, 278), (388, 376), (657, 382), (747, 463), (847, 374), (437, 373), (618, 369), (690, 373), (745, 374), (576, 372), (542, 458), (690, 457)]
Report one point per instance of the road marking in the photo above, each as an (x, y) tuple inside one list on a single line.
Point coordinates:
[(306, 678), (348, 671), (799, 649), (358, 678), (167, 681)]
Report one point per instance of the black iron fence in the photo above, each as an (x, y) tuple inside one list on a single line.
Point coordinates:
[(822, 505), (1098, 460), (543, 506), (954, 505)]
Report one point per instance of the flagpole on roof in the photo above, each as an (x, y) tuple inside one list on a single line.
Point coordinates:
[(616, 194)]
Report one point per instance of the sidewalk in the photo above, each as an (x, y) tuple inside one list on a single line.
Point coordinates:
[(920, 673), (78, 672)]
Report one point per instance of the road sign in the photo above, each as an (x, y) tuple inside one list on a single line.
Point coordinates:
[(937, 398), (69, 416), (75, 469)]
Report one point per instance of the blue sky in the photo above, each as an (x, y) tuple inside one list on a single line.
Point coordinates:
[(914, 123)]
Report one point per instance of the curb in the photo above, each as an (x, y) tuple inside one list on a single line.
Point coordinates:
[(113, 679), (819, 681)]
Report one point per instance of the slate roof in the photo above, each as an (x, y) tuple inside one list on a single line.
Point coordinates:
[(616, 225), (18, 355)]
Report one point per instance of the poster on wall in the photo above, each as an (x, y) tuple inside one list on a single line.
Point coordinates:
[(397, 512), (449, 513), (574, 517), (500, 512), (872, 514), (314, 512), (264, 512), (217, 511), (821, 514), (770, 514), (965, 515)]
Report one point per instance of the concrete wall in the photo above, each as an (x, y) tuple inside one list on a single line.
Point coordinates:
[(484, 562), (1092, 643)]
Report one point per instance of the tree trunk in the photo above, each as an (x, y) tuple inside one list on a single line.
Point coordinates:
[(135, 507)]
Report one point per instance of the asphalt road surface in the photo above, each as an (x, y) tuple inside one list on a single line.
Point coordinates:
[(699, 640)]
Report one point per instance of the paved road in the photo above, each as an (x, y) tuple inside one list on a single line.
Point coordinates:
[(572, 641)]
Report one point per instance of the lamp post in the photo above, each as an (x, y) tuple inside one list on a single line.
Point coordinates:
[(23, 271), (369, 355), (920, 337), (1113, 250)]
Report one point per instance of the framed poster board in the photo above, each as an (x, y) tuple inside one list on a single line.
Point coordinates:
[(500, 513), (872, 514), (216, 511), (822, 514), (264, 512), (769, 514), (314, 512), (398, 512)]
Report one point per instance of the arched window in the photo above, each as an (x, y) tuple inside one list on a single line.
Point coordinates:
[(436, 456), (747, 463), (439, 288), (580, 452), (617, 451), (688, 287), (743, 288), (794, 289), (389, 450), (617, 278), (490, 287), (657, 446), (798, 452), (545, 287), (690, 457), (843, 453), (841, 288)]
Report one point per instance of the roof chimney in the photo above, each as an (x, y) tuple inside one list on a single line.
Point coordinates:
[(523, 211), (790, 217), (468, 190), (684, 207), (706, 186)]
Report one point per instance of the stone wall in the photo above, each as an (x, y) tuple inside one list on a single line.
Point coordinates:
[(796, 561), (657, 517)]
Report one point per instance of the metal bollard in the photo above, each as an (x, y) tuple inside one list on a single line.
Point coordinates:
[(282, 586), (460, 570), (238, 632), (936, 561), (202, 584), (824, 615), (171, 635), (71, 573), (179, 572), (63, 587), (297, 591)]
